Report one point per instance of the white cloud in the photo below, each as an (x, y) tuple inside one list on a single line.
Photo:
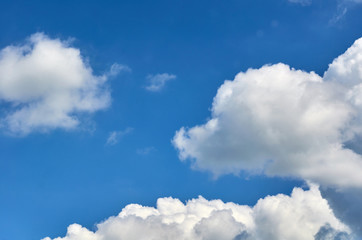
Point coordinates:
[(146, 150), (116, 68), (301, 2), (298, 217), (46, 84), (158, 81), (284, 122), (114, 136)]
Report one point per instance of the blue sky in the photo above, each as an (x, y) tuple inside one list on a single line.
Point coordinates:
[(169, 60)]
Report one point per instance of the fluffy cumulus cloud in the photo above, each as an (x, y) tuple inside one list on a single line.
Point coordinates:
[(302, 216), (46, 84), (157, 82), (280, 121)]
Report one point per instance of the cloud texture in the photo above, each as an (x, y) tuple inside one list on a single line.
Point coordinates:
[(47, 84), (284, 122), (301, 216)]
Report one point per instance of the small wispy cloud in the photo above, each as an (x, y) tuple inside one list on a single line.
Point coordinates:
[(115, 136), (342, 8), (301, 2), (341, 11), (146, 150), (116, 68), (158, 81)]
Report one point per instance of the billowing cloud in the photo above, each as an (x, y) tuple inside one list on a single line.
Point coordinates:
[(46, 84), (284, 122), (158, 81), (301, 216)]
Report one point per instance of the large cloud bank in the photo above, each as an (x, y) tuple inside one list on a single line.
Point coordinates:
[(302, 216), (284, 122), (46, 84)]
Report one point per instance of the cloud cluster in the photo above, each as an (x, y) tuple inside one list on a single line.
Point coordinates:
[(284, 122), (301, 216), (47, 84), (158, 81)]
